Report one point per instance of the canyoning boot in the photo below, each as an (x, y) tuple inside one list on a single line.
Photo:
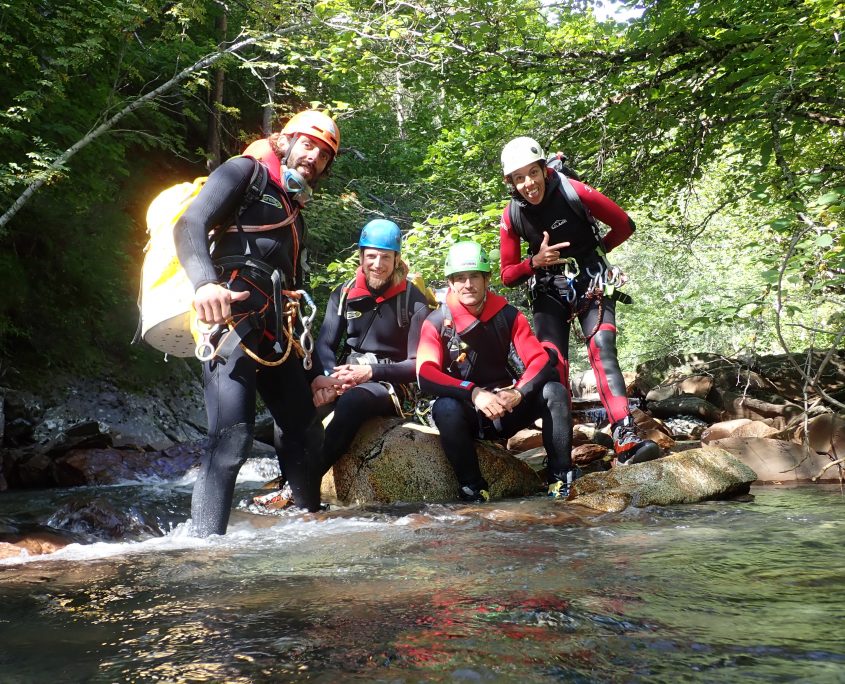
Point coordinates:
[(629, 447), (473, 494), (561, 483)]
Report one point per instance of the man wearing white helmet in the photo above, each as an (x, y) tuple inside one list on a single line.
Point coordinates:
[(567, 273)]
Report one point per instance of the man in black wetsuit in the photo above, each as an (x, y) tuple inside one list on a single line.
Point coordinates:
[(379, 313), (246, 286)]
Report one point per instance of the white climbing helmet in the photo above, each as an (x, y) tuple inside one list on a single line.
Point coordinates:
[(519, 152)]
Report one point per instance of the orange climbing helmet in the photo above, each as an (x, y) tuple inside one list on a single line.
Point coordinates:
[(316, 124)]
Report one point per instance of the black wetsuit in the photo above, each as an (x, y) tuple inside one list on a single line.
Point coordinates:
[(230, 387), (550, 306), (371, 324)]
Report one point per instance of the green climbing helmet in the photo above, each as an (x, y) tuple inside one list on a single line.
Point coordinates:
[(466, 256)]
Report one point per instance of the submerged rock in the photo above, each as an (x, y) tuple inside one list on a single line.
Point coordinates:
[(393, 460), (688, 477), (31, 544)]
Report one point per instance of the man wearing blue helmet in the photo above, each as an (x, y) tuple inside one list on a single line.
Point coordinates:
[(368, 339)]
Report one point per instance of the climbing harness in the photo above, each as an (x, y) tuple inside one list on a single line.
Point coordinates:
[(287, 306)]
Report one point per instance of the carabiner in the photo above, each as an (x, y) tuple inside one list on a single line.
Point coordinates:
[(306, 340), (570, 268)]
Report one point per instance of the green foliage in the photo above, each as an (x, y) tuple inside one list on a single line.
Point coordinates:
[(717, 125)]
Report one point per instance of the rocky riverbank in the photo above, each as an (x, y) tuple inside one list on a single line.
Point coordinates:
[(91, 431)]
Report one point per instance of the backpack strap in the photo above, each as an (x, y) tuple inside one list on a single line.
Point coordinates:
[(515, 217), (344, 295), (254, 192), (574, 201), (403, 317)]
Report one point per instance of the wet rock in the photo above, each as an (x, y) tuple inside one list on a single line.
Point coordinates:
[(392, 460), (32, 544), (685, 404), (114, 466), (777, 461), (103, 519), (587, 453), (155, 417), (688, 477)]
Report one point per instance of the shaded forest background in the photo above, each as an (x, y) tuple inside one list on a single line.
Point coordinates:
[(719, 126)]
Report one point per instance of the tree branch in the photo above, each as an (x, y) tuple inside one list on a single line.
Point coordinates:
[(57, 164)]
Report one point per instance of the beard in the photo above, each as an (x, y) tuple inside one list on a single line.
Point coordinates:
[(305, 167), (377, 282)]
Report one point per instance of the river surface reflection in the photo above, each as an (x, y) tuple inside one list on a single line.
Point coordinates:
[(513, 591)]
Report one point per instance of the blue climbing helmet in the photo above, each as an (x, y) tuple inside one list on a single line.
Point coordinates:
[(381, 234)]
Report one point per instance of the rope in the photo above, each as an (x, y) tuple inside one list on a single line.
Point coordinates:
[(291, 310)]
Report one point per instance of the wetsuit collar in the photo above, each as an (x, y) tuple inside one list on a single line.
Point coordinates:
[(262, 151), (464, 320), (360, 289)]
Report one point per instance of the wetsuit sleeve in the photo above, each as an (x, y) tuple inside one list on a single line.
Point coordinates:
[(216, 203), (430, 360), (513, 268), (331, 332), (538, 368), (607, 211), (405, 372)]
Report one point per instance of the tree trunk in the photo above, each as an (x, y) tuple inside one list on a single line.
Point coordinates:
[(214, 147)]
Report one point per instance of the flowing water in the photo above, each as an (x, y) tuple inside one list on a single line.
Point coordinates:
[(512, 591)]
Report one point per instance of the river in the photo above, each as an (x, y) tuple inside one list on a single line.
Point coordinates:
[(527, 590)]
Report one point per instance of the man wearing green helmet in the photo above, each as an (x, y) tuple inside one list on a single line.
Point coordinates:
[(465, 359), (367, 342)]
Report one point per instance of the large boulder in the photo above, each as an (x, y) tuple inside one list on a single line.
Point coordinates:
[(687, 477), (154, 417), (776, 461), (393, 460)]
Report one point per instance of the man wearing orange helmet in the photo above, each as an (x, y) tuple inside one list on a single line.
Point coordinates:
[(240, 244)]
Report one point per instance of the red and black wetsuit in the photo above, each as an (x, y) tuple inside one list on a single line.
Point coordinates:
[(230, 387), (459, 351), (372, 325), (551, 309)]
